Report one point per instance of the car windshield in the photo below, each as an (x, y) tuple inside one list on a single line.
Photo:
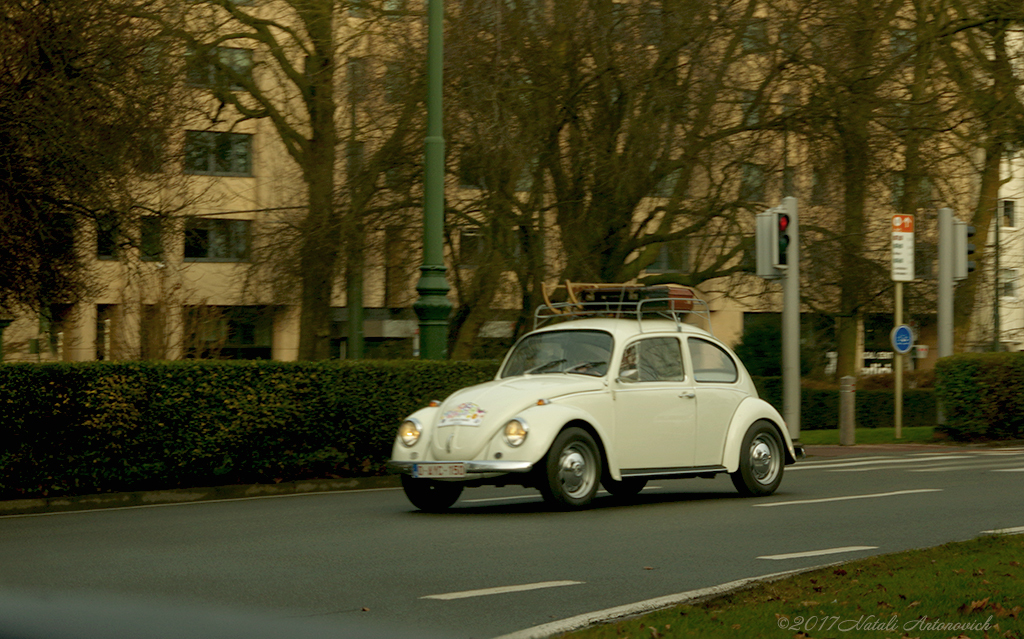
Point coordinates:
[(579, 352)]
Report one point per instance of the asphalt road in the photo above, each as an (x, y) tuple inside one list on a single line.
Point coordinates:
[(500, 561)]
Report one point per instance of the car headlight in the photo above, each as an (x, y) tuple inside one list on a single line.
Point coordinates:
[(515, 432), (409, 432)]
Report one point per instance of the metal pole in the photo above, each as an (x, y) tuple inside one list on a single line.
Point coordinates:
[(947, 258), (791, 325), (898, 365), (945, 315), (996, 329), (433, 306), (847, 410)]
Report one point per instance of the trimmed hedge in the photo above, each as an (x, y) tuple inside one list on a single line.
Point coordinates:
[(80, 428), (819, 408), (982, 395)]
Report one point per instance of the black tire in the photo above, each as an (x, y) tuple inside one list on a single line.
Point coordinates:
[(762, 459), (572, 470), (628, 487), (430, 495)]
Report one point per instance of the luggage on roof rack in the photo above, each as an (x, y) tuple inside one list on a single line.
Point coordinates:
[(630, 301)]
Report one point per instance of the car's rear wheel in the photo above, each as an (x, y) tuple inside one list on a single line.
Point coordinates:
[(572, 470), (430, 495), (628, 487), (761, 461)]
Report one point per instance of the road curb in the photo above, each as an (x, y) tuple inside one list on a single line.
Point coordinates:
[(608, 615), (191, 495)]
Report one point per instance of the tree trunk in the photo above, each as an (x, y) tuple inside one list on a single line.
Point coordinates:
[(322, 230)]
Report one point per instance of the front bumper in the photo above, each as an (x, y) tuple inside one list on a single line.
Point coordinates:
[(472, 467)]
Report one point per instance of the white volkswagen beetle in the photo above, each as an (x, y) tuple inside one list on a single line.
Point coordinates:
[(614, 394)]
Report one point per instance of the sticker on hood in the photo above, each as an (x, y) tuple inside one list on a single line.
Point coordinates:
[(465, 414)]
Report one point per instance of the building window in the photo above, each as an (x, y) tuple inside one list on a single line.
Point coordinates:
[(219, 68), (218, 153), (472, 247), (471, 169), (752, 183), (752, 108), (1008, 282), (901, 42), (108, 237), (211, 240), (105, 314), (354, 155), (228, 332), (1009, 213), (356, 76), (395, 82), (358, 8), (393, 9), (755, 35), (673, 257), (819, 187), (397, 257), (151, 239)]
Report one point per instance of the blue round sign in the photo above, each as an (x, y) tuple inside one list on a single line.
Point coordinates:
[(902, 339)]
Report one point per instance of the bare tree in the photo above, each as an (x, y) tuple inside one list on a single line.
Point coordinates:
[(601, 134), (85, 109)]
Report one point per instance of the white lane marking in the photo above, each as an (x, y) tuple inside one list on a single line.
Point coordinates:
[(818, 553), (848, 497), (886, 460), (502, 590), (979, 466), (1018, 530)]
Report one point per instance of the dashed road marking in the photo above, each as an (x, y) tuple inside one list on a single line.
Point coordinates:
[(818, 553), (483, 592), (848, 497)]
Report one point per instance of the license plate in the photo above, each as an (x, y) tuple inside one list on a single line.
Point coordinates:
[(439, 470)]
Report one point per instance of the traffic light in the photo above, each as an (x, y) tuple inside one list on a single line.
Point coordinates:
[(782, 240), (767, 244), (963, 250)]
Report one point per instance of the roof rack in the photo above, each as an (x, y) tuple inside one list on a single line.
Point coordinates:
[(625, 301)]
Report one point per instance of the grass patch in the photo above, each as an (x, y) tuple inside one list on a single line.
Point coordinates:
[(978, 584), (910, 435)]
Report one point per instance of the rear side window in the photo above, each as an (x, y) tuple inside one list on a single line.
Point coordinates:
[(657, 359), (711, 363)]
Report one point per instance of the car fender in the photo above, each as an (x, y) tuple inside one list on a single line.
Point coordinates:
[(426, 417), (544, 423), (749, 411)]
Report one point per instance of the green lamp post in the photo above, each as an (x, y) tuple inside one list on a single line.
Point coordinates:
[(433, 307)]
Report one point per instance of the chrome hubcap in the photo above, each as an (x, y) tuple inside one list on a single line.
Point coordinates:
[(575, 471), (764, 460)]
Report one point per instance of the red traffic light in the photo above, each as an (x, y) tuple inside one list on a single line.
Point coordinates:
[(783, 222)]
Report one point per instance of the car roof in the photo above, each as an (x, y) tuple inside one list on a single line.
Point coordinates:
[(624, 328)]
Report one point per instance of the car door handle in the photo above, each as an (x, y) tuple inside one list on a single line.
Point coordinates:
[(688, 394)]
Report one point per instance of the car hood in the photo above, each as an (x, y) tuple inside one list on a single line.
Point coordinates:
[(470, 418)]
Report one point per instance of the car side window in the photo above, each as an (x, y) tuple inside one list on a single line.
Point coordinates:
[(658, 359), (711, 363)]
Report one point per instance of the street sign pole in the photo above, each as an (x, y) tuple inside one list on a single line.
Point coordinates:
[(902, 271)]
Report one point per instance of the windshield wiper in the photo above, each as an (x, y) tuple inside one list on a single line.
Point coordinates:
[(545, 366), (587, 368)]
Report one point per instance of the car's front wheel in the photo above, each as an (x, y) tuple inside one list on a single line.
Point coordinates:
[(572, 470), (761, 461), (430, 495)]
